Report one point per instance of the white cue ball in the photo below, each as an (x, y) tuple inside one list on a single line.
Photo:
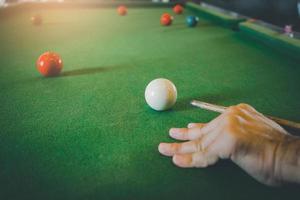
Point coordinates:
[(161, 94)]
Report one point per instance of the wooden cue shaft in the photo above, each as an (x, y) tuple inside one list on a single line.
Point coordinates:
[(221, 109)]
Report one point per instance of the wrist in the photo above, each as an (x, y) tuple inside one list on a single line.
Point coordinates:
[(287, 160)]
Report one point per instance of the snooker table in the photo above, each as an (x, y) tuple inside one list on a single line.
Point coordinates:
[(89, 134)]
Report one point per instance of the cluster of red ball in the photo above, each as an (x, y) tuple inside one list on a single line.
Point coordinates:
[(50, 64), (166, 19)]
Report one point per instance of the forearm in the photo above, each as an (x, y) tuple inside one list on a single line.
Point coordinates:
[(287, 166)]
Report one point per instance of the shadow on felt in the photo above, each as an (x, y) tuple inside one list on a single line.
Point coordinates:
[(76, 72), (183, 26), (92, 70), (183, 104), (54, 23)]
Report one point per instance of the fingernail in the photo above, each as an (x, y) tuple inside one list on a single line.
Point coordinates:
[(190, 125), (174, 132), (171, 134), (161, 147)]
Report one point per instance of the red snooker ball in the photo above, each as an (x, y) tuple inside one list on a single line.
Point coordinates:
[(178, 9), (166, 19), (49, 64), (36, 20), (122, 10)]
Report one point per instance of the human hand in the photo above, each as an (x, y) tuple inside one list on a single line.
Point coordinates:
[(241, 134)]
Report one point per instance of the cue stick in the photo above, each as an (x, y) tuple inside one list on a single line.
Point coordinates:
[(221, 109)]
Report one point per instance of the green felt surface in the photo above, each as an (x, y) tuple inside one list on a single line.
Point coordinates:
[(89, 134)]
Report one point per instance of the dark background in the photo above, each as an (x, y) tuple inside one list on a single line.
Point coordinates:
[(279, 12)]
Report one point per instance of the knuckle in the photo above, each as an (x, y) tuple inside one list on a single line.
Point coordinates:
[(243, 105), (233, 110), (239, 109)]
